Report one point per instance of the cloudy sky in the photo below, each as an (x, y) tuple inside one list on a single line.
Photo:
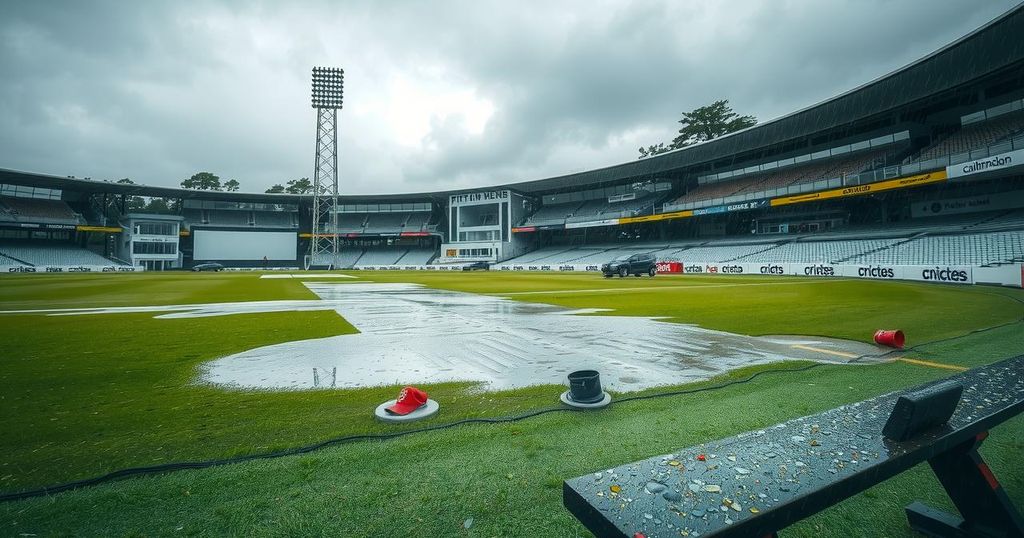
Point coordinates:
[(437, 94)]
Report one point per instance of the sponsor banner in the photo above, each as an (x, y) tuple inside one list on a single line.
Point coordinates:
[(995, 162), (883, 272), (947, 274), (103, 229), (858, 190), (621, 197), (591, 224), (659, 216), (1011, 274), (478, 197), (669, 267), (814, 269), (72, 269), (745, 206), (968, 204)]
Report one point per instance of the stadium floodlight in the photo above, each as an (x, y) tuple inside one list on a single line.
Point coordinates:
[(328, 86), (326, 99)]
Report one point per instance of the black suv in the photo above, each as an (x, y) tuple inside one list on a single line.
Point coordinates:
[(636, 265)]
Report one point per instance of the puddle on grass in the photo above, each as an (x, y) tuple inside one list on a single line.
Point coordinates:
[(413, 334)]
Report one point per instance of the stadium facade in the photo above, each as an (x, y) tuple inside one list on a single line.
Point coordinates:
[(918, 174)]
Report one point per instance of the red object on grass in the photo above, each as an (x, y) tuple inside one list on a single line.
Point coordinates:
[(700, 457), (890, 338), (409, 400)]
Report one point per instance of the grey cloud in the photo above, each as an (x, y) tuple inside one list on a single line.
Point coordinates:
[(159, 90)]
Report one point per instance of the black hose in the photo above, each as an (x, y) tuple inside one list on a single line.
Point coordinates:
[(179, 466)]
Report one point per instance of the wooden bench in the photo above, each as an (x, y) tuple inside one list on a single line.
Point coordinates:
[(759, 482)]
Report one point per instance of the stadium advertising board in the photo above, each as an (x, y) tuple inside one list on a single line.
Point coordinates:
[(968, 204), (659, 216), (478, 198), (988, 164), (591, 224), (745, 206), (868, 188), (73, 269), (814, 269)]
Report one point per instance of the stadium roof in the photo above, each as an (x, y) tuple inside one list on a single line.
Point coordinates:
[(993, 48)]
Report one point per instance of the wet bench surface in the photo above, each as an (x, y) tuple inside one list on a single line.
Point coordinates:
[(761, 481)]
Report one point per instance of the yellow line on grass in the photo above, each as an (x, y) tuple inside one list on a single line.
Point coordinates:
[(658, 288), (829, 351), (932, 364)]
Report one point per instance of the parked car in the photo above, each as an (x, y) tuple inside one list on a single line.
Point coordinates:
[(209, 266), (636, 264), (477, 266)]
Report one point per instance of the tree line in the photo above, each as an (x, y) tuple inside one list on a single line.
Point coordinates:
[(207, 181)]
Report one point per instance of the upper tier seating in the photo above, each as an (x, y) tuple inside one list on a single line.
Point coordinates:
[(976, 135), (785, 177), (276, 219), (46, 253), (16, 209)]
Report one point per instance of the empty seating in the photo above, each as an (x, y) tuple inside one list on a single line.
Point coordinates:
[(975, 135), (785, 177), (351, 222), (961, 249), (43, 253), (16, 209), (276, 219), (817, 251)]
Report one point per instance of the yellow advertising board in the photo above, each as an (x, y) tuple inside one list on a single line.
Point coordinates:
[(104, 229), (857, 190), (660, 216)]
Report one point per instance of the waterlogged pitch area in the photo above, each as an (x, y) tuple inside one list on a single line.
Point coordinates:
[(105, 372)]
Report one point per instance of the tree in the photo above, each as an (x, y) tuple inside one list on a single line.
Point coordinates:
[(126, 181), (203, 181), (136, 203), (703, 124), (231, 185), (653, 150), (277, 188), (158, 205), (299, 186), (709, 122)]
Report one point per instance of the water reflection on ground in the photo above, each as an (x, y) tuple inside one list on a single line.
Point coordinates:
[(414, 334)]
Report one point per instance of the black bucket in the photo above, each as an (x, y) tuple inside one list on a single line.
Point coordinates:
[(585, 386)]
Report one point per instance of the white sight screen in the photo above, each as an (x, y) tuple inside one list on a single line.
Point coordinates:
[(224, 245)]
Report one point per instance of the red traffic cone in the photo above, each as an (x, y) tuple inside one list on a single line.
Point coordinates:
[(890, 338)]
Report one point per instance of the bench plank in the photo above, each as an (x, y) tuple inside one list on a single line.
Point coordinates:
[(758, 482)]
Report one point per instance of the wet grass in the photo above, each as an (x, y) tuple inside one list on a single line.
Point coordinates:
[(84, 395)]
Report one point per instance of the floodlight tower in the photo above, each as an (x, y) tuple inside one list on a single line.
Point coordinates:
[(327, 90)]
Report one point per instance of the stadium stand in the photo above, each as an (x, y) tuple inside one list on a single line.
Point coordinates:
[(416, 256), (975, 135), (785, 177), (17, 209), (417, 222), (385, 222), (276, 219), (40, 254), (351, 222), (962, 249), (816, 251)]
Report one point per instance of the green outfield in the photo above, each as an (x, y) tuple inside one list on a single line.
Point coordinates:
[(87, 395)]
